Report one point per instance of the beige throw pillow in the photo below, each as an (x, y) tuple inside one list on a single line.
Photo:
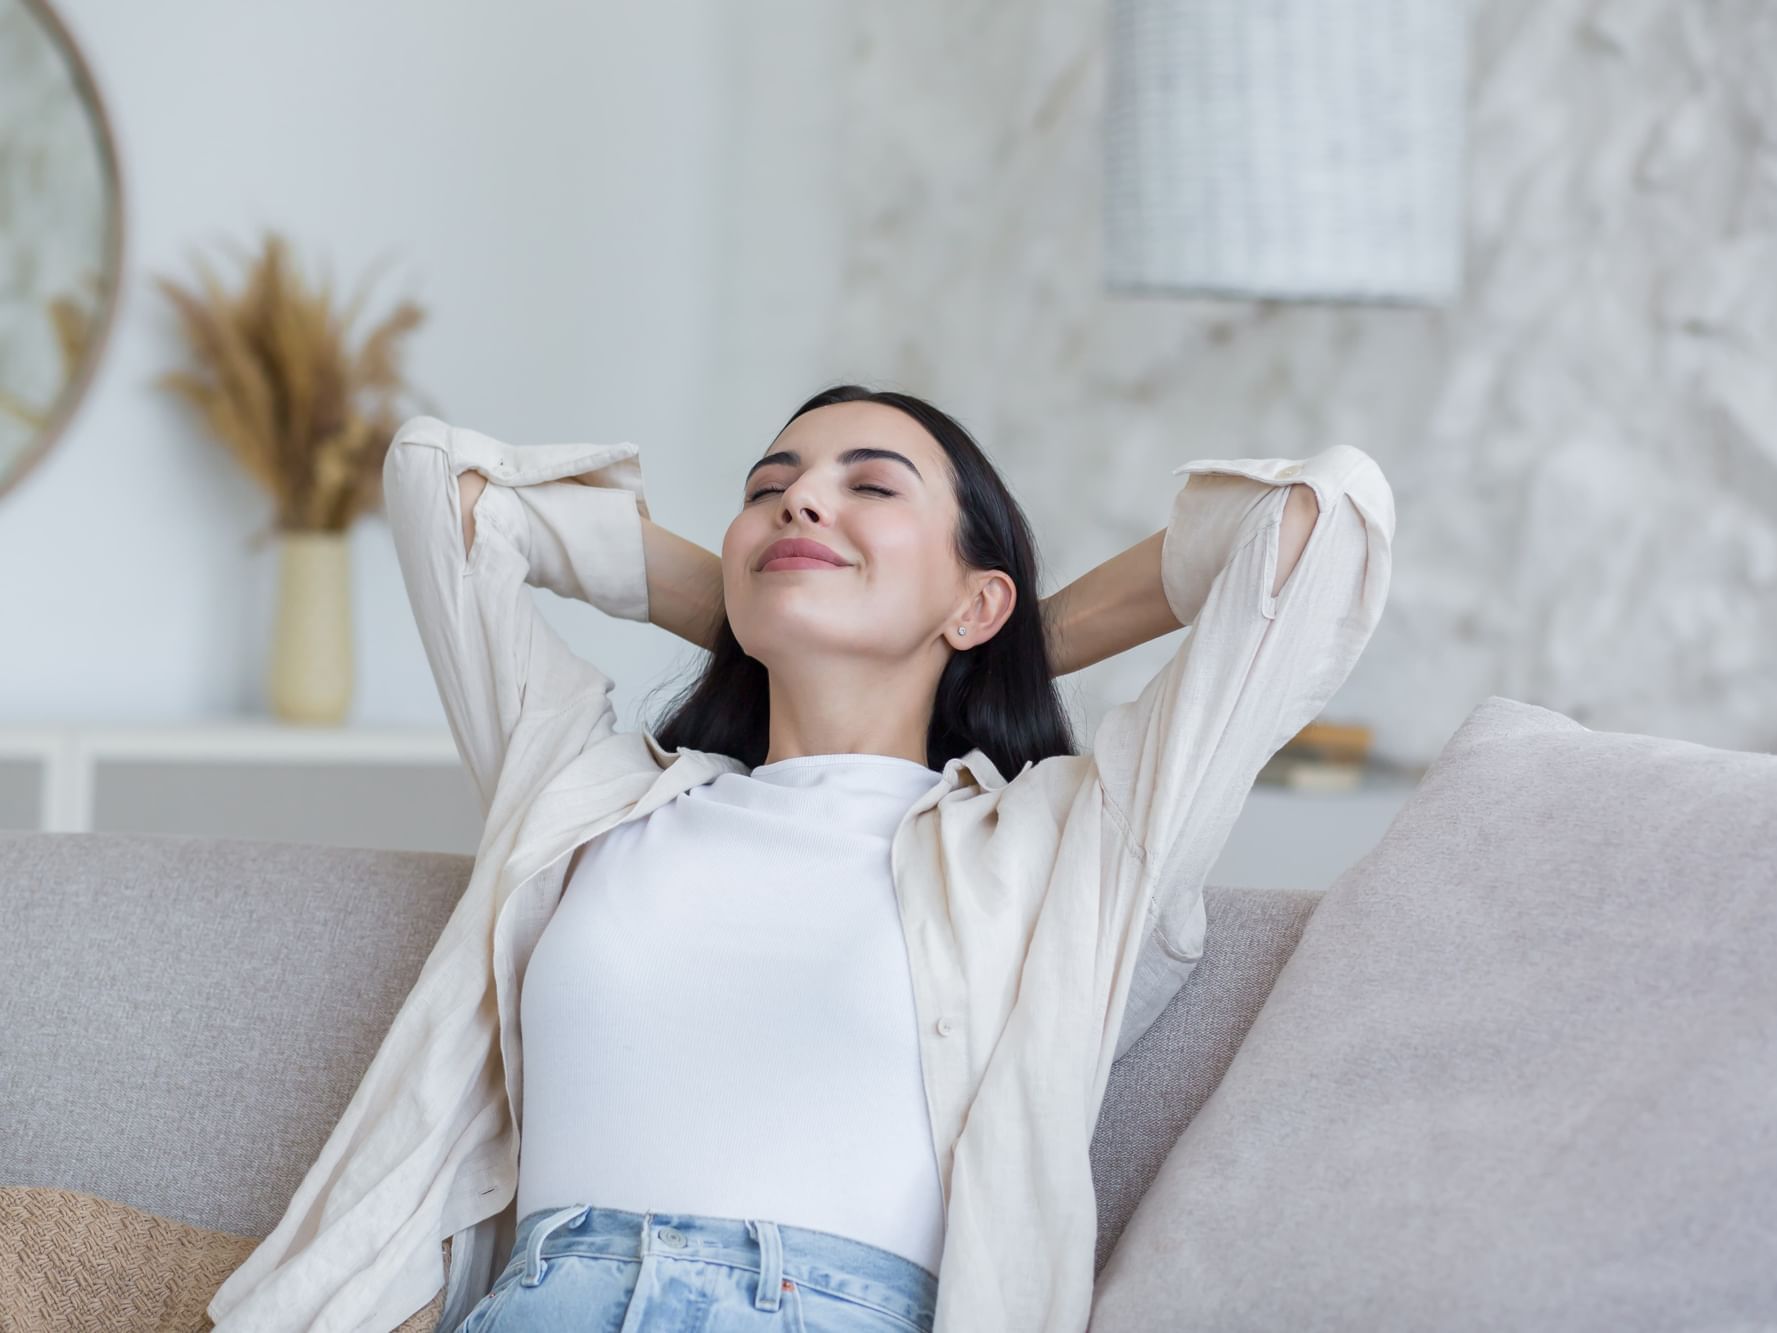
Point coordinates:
[(71, 1263), (1520, 1072)]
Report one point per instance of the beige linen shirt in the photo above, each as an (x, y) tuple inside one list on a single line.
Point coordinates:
[(1049, 915)]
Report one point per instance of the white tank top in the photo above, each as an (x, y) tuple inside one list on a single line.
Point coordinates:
[(718, 1018)]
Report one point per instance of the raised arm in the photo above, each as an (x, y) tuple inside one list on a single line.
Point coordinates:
[(684, 579), (1122, 603), (470, 485), (684, 585), (476, 520), (1274, 632)]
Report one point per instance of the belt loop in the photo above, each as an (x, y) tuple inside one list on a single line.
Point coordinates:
[(771, 1265), (534, 1267)]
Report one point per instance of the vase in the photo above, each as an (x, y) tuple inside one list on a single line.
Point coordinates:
[(310, 678)]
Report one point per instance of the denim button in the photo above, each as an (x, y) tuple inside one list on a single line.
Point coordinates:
[(672, 1237)]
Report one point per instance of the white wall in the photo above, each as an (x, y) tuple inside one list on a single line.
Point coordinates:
[(549, 180), (669, 223)]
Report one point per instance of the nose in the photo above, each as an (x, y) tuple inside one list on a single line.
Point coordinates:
[(799, 505)]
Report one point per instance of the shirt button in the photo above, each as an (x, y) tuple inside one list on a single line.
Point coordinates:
[(945, 1027), (1290, 471)]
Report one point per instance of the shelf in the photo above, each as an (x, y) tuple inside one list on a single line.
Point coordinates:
[(399, 788), (406, 789)]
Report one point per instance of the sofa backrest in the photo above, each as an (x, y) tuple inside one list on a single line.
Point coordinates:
[(183, 1019), (1160, 1083)]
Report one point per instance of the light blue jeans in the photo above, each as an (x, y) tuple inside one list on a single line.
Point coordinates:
[(606, 1270)]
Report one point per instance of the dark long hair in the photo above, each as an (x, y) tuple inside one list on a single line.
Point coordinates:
[(998, 696)]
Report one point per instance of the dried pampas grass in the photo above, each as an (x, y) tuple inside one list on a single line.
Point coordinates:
[(308, 418)]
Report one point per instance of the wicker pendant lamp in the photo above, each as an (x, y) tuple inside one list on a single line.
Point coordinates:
[(1286, 149)]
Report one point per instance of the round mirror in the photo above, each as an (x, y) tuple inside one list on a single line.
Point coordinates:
[(61, 232)]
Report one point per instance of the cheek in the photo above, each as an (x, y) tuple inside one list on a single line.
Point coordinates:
[(912, 565), (736, 543), (901, 537), (733, 556)]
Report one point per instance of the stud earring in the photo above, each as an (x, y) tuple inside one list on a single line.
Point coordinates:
[(962, 629)]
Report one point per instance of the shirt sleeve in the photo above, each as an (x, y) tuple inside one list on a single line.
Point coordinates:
[(1176, 763), (566, 517)]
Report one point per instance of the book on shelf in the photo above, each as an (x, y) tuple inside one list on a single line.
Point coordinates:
[(1323, 756)]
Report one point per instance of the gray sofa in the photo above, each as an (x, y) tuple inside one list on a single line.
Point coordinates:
[(183, 1020), (188, 1016)]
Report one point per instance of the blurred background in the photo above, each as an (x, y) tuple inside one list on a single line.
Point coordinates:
[(1520, 253)]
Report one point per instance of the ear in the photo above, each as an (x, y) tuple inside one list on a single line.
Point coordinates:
[(995, 598)]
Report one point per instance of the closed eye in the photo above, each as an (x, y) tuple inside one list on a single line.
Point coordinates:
[(861, 486)]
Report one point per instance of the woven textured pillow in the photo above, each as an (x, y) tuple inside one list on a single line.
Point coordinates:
[(75, 1262)]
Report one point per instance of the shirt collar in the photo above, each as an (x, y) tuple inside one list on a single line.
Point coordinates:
[(980, 768)]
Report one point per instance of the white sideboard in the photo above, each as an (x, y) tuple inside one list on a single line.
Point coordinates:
[(1290, 839), (406, 789), (344, 786)]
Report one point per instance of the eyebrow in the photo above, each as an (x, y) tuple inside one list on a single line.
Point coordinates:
[(861, 454)]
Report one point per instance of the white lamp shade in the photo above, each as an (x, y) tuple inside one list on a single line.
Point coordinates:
[(1286, 149)]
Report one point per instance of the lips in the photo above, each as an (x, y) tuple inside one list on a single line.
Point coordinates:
[(802, 547)]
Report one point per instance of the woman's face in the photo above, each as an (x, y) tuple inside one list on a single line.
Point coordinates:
[(900, 588)]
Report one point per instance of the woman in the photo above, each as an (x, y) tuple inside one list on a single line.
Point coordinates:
[(816, 1004)]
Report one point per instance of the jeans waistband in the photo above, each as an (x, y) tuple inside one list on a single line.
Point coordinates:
[(777, 1251)]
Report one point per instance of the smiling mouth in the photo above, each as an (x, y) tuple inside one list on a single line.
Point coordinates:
[(788, 562)]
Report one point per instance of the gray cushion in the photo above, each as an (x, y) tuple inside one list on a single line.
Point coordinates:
[(1168, 1074), (182, 1020), (1521, 1071)]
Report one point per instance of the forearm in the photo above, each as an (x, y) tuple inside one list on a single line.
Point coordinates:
[(1123, 603), (1109, 609), (470, 485), (684, 585)]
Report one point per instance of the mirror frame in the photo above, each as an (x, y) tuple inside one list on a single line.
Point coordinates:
[(105, 317)]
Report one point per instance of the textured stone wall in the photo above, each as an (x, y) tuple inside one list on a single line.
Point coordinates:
[(1583, 451)]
